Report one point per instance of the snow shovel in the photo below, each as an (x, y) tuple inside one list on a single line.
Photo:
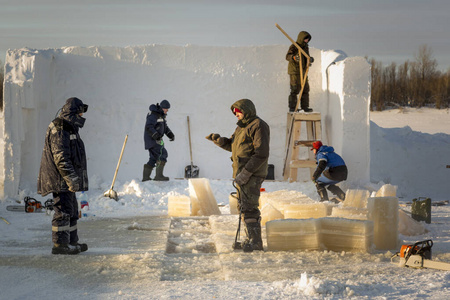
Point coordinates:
[(111, 193), (190, 171)]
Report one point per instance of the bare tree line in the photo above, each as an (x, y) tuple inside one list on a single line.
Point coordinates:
[(415, 84)]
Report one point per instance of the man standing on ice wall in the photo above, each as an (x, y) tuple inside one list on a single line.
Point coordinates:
[(331, 170), (293, 57), (63, 172), (155, 128), (249, 146)]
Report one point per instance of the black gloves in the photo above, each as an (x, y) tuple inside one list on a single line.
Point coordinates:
[(296, 57), (171, 136), (243, 177), (311, 59), (213, 137)]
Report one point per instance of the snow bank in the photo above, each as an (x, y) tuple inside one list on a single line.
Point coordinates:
[(201, 82)]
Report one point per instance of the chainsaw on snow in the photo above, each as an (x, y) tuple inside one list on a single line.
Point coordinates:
[(418, 255), (31, 205)]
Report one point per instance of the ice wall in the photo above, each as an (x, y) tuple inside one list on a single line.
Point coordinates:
[(201, 82)]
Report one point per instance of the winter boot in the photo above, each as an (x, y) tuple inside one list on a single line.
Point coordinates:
[(65, 249), (304, 102), (337, 191), (147, 172), (322, 192), (83, 247), (159, 172), (254, 240)]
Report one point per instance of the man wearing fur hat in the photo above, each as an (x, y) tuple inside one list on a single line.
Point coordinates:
[(249, 146), (155, 128)]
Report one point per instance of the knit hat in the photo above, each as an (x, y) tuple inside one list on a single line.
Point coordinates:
[(317, 145), (165, 104), (236, 110)]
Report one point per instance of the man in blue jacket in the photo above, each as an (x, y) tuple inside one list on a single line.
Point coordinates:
[(155, 128), (63, 172), (331, 170)]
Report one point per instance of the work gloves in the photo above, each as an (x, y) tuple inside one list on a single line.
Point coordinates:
[(171, 136), (213, 137), (243, 177), (73, 184)]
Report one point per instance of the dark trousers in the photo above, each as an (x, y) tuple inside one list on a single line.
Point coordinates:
[(249, 198), (64, 223), (157, 153), (295, 90)]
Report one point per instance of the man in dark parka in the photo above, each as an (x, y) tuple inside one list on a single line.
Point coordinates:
[(249, 146), (155, 129), (293, 57), (63, 172)]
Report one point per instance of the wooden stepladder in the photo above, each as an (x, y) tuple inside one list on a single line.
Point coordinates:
[(296, 139)]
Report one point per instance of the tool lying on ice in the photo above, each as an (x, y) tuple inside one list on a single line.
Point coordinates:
[(31, 206), (190, 171), (111, 193), (418, 256)]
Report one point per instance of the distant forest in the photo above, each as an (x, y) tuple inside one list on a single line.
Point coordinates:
[(416, 84)]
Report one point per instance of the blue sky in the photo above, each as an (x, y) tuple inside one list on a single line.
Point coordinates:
[(387, 30)]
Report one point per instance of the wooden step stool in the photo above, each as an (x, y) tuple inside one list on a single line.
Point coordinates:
[(294, 141)]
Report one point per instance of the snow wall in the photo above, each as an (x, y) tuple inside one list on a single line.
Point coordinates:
[(201, 82)]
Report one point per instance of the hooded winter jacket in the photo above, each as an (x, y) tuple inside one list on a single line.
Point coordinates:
[(331, 164), (155, 126), (293, 66), (249, 143), (63, 164)]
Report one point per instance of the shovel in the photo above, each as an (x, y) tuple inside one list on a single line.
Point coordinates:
[(111, 193), (190, 171)]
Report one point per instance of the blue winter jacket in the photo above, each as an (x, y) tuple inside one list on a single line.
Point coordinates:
[(331, 164), (155, 126)]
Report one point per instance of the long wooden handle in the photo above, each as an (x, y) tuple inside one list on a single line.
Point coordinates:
[(118, 163), (189, 134)]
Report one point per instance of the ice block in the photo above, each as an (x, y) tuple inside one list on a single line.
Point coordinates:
[(349, 213), (356, 198), (387, 190), (293, 234), (383, 211), (232, 199), (306, 211), (179, 206), (202, 198), (269, 213)]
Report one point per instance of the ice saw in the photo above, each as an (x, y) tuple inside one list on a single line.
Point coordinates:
[(418, 255)]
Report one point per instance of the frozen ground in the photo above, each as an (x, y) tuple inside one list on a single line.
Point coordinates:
[(137, 252)]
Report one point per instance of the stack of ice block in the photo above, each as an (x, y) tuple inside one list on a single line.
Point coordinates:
[(383, 211), (202, 198), (338, 234), (179, 206), (292, 234), (335, 234), (349, 213)]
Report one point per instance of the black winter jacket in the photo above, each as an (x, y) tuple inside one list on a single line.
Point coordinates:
[(63, 164), (155, 126)]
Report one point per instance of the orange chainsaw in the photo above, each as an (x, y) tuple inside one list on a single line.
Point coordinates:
[(418, 255)]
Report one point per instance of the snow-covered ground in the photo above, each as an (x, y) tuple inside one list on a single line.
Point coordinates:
[(137, 252)]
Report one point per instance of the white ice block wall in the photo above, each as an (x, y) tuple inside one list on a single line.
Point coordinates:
[(119, 84)]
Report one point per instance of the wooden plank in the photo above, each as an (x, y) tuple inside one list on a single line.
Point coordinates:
[(300, 116), (303, 164)]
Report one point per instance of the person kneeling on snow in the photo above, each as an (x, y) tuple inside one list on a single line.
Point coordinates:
[(249, 146), (331, 170), (155, 128), (63, 172)]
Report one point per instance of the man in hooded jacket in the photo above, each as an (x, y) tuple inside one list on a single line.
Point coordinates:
[(293, 57), (249, 146), (63, 172), (155, 128)]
